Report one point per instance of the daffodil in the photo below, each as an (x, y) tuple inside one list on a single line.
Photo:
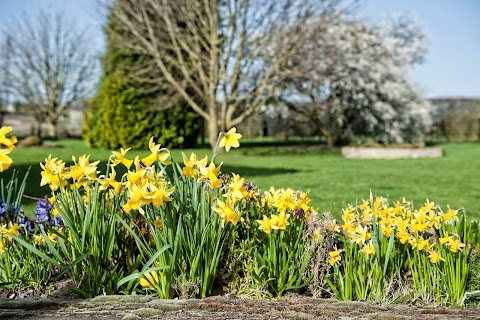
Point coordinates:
[(450, 214), (226, 211), (402, 236), (105, 183), (120, 158), (211, 173), (159, 224), (230, 139), (237, 190), (335, 256), (5, 161), (368, 249), (53, 173), (265, 225), (456, 245), (361, 235), (38, 239), (192, 165), (280, 221), (423, 244), (161, 155), (333, 226), (161, 194), (83, 168), (286, 200), (445, 239), (149, 280), (303, 202), (138, 197), (7, 142), (435, 257)]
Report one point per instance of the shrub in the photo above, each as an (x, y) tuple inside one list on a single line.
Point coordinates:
[(121, 117)]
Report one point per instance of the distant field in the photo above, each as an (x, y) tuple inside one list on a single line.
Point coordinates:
[(332, 180)]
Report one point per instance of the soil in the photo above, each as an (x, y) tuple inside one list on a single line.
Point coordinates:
[(218, 307)]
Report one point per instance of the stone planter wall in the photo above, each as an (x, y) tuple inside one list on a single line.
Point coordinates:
[(391, 153)]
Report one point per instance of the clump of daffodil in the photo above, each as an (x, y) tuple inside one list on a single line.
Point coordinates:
[(409, 226), (9, 143), (230, 139)]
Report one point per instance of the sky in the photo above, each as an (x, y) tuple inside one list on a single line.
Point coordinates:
[(451, 67)]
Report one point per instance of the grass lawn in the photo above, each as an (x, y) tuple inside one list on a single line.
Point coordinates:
[(333, 181)]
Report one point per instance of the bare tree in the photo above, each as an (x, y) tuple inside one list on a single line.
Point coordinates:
[(51, 66), (222, 56)]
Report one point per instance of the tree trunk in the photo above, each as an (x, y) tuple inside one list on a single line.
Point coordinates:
[(53, 129), (212, 130)]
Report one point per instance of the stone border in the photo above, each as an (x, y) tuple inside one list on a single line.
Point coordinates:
[(391, 153)]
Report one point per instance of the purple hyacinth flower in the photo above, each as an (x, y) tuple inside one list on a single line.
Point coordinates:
[(43, 210), (30, 227), (59, 220), (3, 208)]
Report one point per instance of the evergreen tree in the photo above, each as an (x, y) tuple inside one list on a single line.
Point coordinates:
[(123, 113)]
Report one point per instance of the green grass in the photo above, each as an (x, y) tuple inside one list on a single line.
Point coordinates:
[(332, 180)]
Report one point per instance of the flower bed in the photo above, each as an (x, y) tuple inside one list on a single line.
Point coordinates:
[(180, 230), (390, 153)]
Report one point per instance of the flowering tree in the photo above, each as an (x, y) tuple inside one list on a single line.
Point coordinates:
[(351, 80)]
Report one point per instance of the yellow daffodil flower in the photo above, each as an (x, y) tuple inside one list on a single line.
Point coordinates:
[(423, 244), (149, 280), (279, 221), (83, 169), (361, 235), (105, 183), (192, 165), (7, 142), (435, 257), (333, 226), (450, 214), (230, 139), (226, 211), (161, 155), (39, 240), (120, 158), (159, 224), (211, 173), (161, 194), (237, 190), (53, 173), (368, 249), (265, 225), (445, 239), (335, 256), (456, 245), (5, 161), (138, 197)]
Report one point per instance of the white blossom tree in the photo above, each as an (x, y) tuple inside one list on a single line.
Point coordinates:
[(352, 80)]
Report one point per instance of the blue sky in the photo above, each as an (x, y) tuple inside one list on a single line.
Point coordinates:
[(451, 69)]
